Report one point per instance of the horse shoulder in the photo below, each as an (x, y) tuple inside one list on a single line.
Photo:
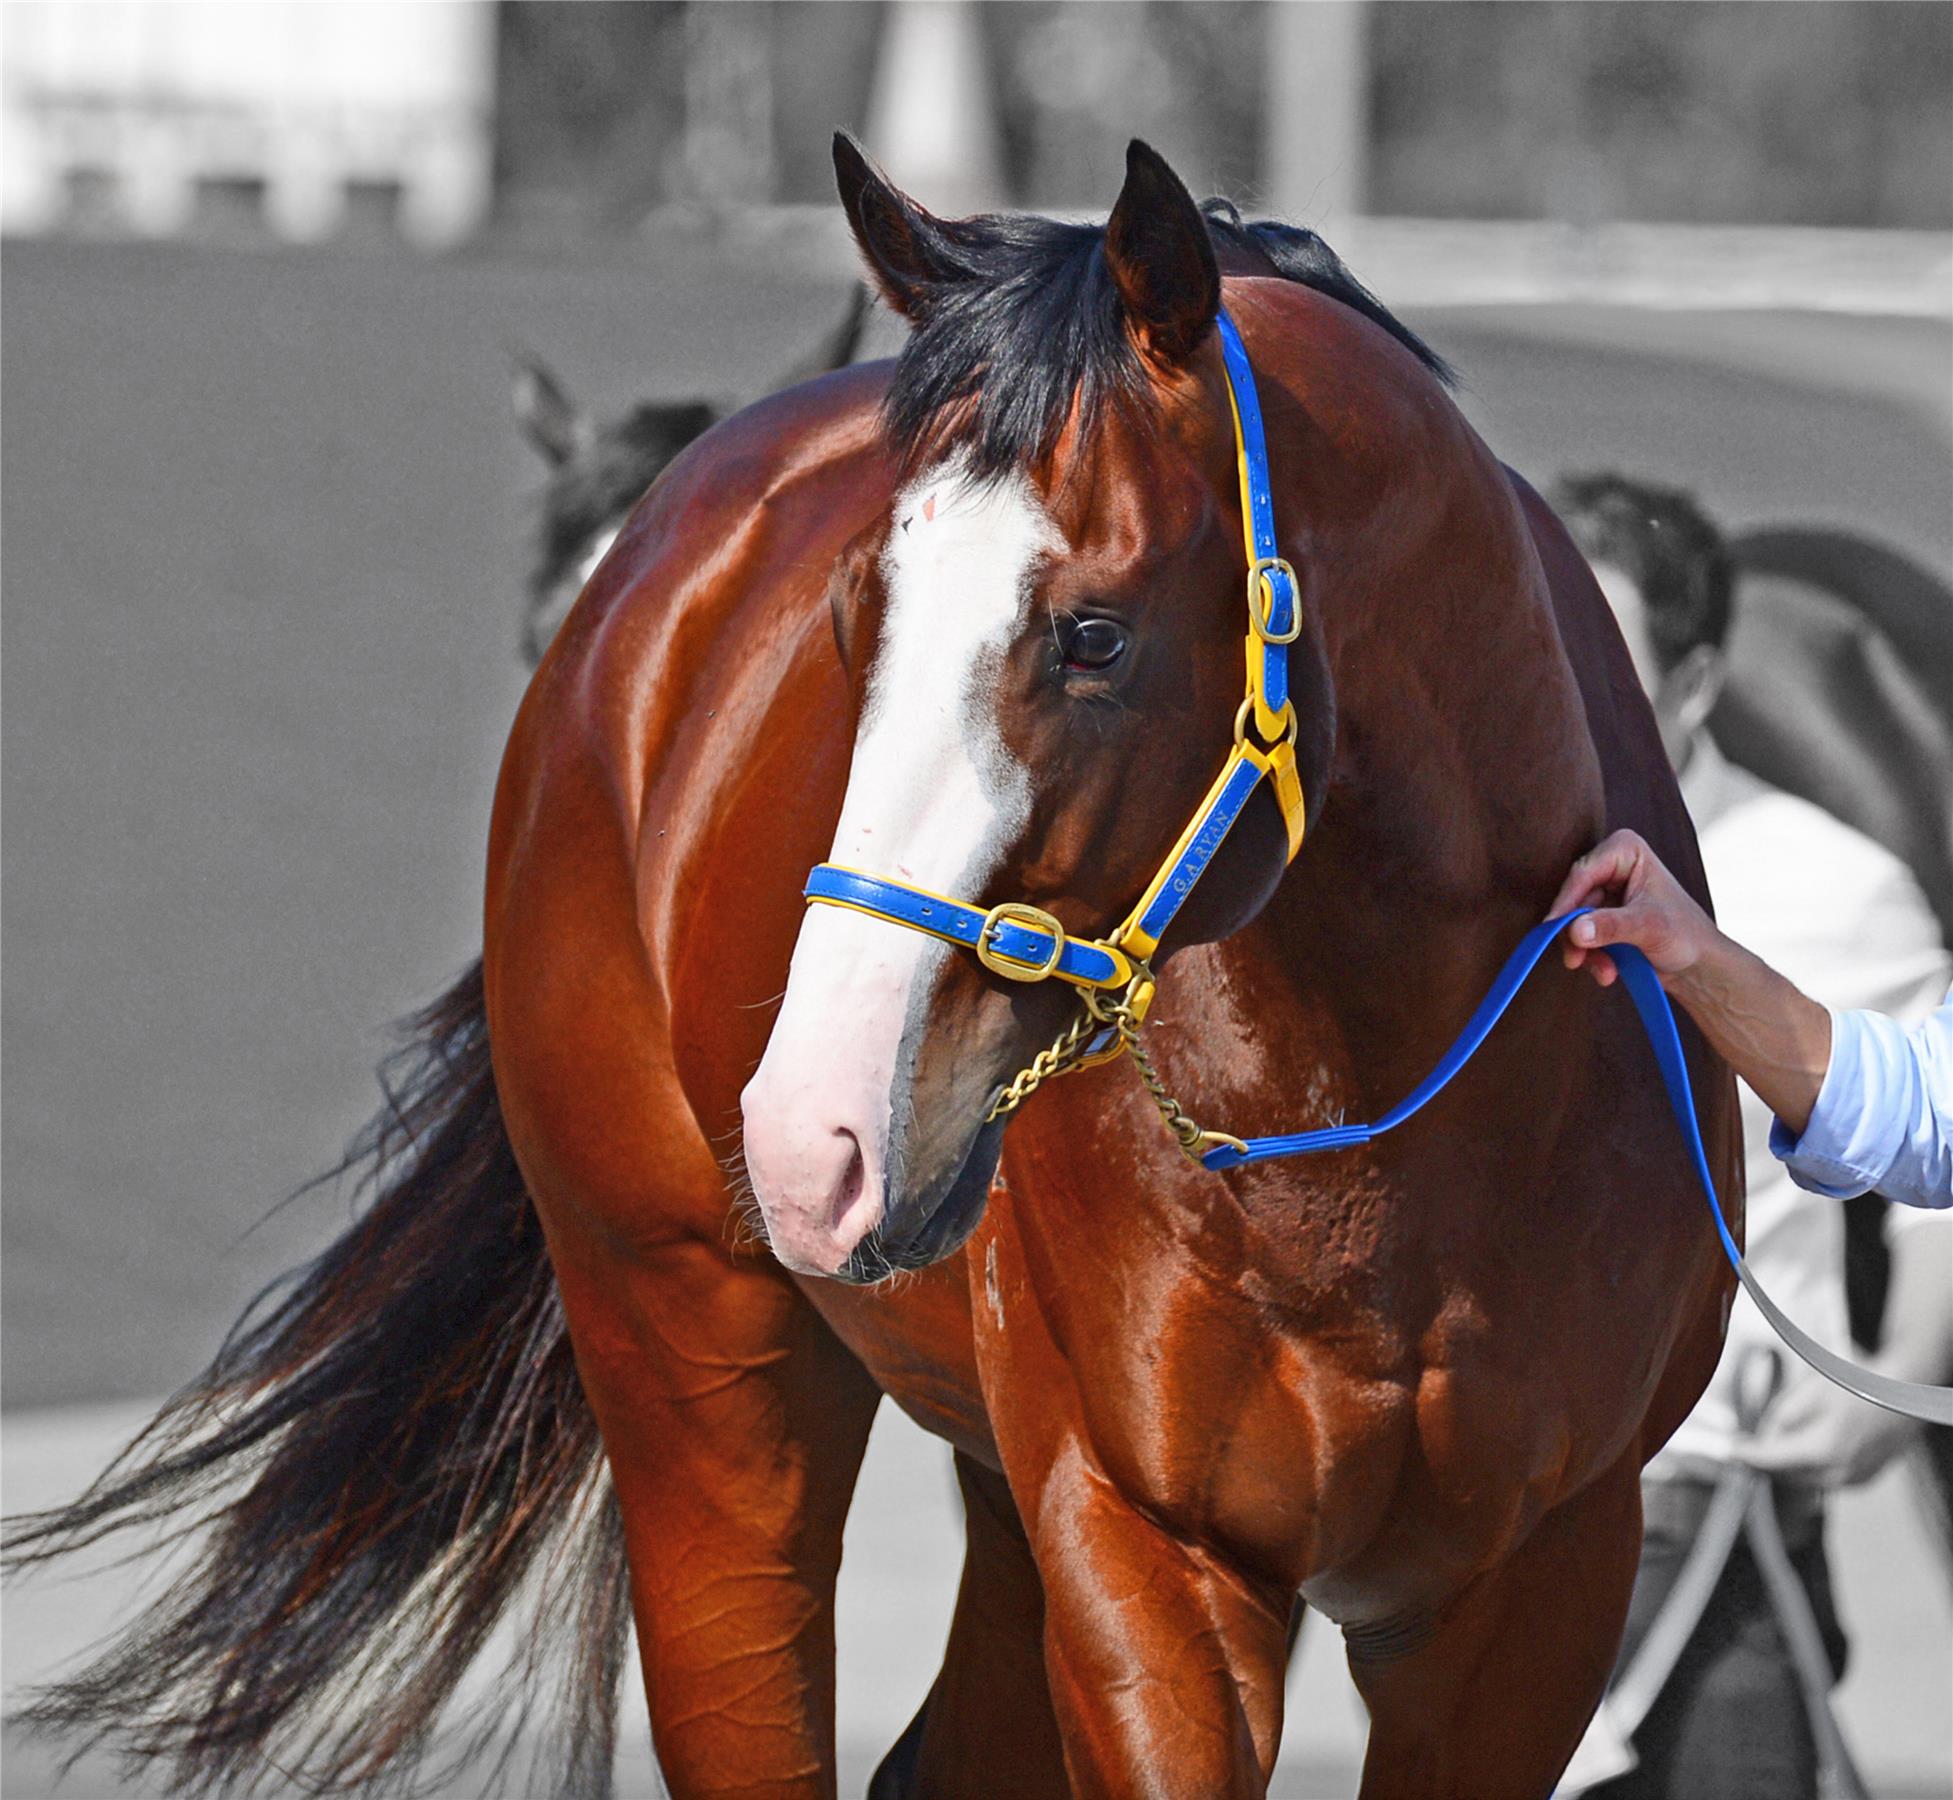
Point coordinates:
[(658, 801)]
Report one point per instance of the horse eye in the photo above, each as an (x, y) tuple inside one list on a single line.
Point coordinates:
[(1094, 644)]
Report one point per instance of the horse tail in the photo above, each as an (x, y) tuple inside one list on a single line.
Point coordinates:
[(388, 1442)]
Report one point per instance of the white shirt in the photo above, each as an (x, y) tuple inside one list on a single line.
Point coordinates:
[(1844, 919), (1884, 1116)]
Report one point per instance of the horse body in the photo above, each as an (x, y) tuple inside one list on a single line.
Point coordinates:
[(1415, 1385)]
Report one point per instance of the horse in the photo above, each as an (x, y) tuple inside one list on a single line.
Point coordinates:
[(686, 1175), (600, 468)]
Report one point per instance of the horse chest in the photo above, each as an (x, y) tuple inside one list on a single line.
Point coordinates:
[(1286, 1452), (1279, 1448)]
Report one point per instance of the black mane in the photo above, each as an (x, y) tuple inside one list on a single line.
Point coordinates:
[(1298, 254), (1028, 325)]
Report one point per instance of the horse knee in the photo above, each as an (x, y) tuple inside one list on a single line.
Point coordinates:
[(734, 1424), (1492, 1703)]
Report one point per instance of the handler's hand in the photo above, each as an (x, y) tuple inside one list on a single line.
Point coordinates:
[(1638, 902), (1823, 1437), (1774, 1036)]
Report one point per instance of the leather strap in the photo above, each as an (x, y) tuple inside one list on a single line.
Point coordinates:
[(1011, 937), (1274, 599), (1639, 1685), (1478, 1027), (1744, 1503), (1792, 1606)]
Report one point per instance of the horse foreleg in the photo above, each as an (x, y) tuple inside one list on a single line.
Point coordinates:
[(1165, 1661), (987, 1727), (735, 1424), (1492, 1703)]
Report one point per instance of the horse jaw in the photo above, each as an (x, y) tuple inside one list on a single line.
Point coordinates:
[(833, 1143)]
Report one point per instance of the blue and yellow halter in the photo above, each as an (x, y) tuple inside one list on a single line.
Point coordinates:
[(1022, 942)]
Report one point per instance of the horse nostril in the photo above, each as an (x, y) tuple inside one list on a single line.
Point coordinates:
[(856, 1211), (853, 1178)]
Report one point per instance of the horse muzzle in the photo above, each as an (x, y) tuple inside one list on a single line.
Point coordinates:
[(836, 1203), (925, 1229), (867, 1141)]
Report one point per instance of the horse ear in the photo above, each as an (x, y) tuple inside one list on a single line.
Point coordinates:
[(906, 249), (1161, 261), (549, 419)]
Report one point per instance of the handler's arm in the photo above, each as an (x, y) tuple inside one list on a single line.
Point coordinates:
[(1860, 1102), (1884, 1117)]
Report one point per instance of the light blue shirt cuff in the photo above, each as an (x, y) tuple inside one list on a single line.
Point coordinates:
[(1879, 1121)]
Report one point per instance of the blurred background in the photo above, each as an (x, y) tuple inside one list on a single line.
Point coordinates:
[(270, 532)]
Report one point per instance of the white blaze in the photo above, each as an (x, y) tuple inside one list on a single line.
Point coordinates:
[(934, 798)]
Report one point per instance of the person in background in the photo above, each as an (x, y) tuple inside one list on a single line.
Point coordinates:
[(1843, 920)]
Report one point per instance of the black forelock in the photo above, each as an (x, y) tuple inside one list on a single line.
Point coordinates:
[(994, 363), (1029, 327)]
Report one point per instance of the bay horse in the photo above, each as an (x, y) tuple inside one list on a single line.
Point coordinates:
[(690, 1166)]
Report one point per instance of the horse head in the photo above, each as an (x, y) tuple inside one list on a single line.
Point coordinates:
[(1043, 635)]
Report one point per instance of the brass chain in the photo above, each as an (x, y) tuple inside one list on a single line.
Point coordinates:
[(1064, 1053), (1059, 1059), (1186, 1133)]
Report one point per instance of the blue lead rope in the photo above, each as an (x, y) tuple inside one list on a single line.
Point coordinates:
[(1491, 1010), (1916, 1399)]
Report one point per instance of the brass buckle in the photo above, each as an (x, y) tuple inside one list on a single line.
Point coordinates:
[(1258, 571), (1016, 912)]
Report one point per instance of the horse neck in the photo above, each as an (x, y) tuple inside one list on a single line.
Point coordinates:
[(1461, 782)]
